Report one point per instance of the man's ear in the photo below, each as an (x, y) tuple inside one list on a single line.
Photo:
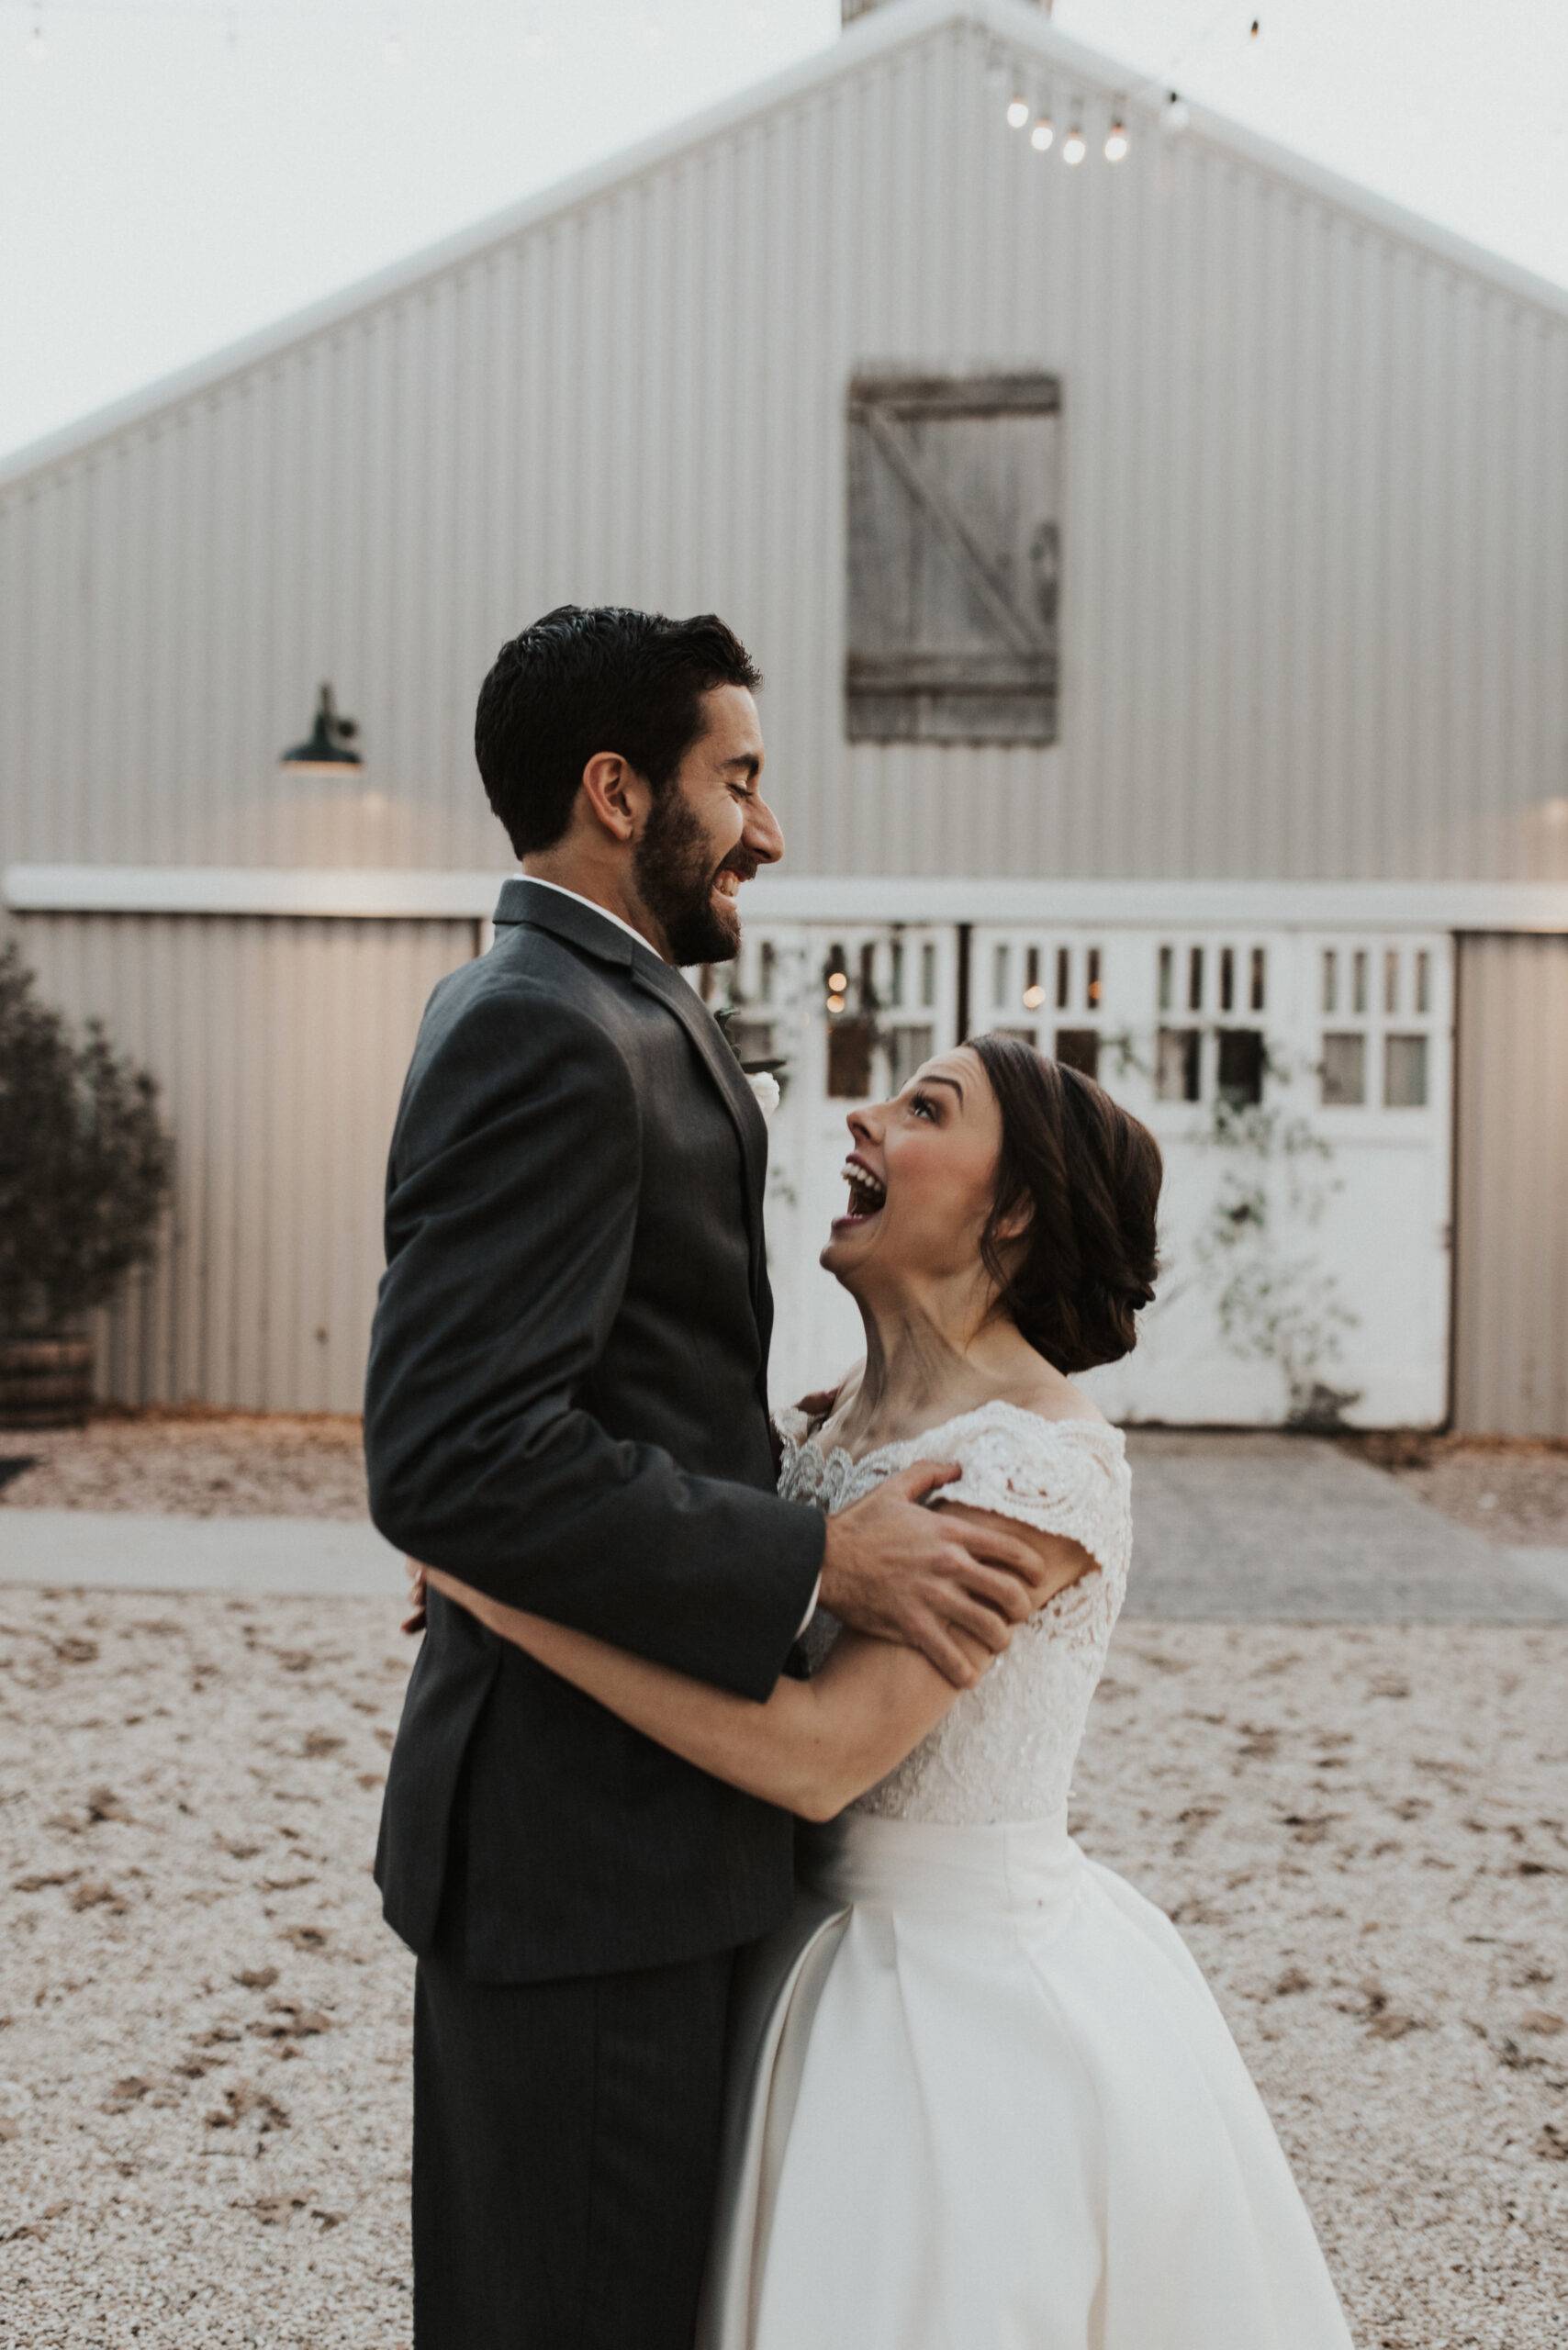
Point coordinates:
[(616, 794)]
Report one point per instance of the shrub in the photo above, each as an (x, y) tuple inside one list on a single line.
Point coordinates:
[(85, 1163)]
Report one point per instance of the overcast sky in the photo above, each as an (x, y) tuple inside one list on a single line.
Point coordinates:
[(176, 172)]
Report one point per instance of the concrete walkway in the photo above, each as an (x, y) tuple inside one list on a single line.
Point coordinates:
[(1276, 1529), (1228, 1528), (120, 1550)]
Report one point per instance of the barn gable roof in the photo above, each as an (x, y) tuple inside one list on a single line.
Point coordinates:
[(1021, 34)]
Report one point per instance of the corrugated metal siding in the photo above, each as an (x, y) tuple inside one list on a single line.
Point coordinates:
[(1511, 1186), (281, 1048), (1315, 532)]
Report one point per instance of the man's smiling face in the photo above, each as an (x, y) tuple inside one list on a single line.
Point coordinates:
[(707, 833)]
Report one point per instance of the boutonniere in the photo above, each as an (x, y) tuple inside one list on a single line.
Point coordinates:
[(761, 1076)]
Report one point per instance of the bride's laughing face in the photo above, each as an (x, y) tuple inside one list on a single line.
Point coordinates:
[(921, 1175)]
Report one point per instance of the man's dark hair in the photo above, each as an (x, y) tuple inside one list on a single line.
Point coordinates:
[(583, 680)]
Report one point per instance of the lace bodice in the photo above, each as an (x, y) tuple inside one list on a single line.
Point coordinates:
[(1007, 1748)]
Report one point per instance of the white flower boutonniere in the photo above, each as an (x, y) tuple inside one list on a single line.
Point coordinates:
[(765, 1091)]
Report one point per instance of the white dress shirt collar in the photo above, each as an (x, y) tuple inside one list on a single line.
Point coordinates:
[(593, 906)]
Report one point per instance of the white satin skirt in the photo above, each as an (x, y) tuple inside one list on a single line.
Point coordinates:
[(981, 2099)]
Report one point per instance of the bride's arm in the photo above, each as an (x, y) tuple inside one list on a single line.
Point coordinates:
[(815, 1745)]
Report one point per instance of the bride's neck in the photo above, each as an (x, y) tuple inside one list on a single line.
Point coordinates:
[(928, 1358)]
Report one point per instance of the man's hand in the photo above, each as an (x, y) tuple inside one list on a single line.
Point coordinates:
[(416, 1616), (914, 1575)]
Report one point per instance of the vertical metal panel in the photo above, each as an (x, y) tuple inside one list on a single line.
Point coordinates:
[(280, 1046), (1315, 529), (1511, 1189)]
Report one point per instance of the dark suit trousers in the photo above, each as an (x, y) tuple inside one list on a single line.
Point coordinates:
[(565, 2151)]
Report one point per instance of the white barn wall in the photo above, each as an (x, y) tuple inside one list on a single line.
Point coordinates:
[(280, 1046), (1315, 529)]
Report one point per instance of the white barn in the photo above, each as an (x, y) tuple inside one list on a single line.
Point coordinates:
[(1161, 569)]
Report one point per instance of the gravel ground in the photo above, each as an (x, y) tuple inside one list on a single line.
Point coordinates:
[(203, 2069), (204, 2093), (205, 1464)]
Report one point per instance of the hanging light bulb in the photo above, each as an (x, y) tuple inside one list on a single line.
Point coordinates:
[(37, 49), (1074, 147), (393, 51), (1042, 135), (1017, 111), (1116, 144), (1176, 116)]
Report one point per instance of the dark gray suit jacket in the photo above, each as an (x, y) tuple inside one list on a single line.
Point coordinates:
[(566, 1406)]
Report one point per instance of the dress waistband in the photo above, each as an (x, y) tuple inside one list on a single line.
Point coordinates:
[(1028, 1866)]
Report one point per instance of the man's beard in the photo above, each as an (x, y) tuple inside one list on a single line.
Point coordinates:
[(674, 872)]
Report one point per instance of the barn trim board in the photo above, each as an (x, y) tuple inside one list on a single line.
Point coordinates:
[(409, 894)]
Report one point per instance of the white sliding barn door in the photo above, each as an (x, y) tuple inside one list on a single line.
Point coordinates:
[(1299, 1085)]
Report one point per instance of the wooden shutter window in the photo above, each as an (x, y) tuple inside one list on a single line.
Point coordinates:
[(954, 558)]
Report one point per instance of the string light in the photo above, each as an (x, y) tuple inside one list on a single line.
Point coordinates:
[(1032, 998), (1176, 116), (1017, 111), (1116, 144), (1074, 147), (1043, 134), (37, 48)]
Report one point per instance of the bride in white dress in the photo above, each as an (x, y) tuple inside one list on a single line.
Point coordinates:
[(981, 2096)]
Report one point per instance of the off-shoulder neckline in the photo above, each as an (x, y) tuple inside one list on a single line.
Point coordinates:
[(926, 1440)]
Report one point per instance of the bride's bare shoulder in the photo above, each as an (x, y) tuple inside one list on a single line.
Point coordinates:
[(1052, 1397)]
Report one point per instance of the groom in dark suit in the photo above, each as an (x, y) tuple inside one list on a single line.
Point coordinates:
[(566, 1406)]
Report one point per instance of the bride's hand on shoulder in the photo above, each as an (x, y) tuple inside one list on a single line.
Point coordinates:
[(817, 1406)]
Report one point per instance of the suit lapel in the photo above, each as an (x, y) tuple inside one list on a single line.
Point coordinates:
[(657, 979), (525, 900)]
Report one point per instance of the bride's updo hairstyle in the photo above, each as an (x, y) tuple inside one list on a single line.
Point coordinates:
[(1090, 1175)]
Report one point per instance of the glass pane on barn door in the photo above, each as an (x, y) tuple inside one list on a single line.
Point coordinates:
[(1344, 1069)]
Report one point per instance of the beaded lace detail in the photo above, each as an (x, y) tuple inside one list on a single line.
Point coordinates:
[(1006, 1750)]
